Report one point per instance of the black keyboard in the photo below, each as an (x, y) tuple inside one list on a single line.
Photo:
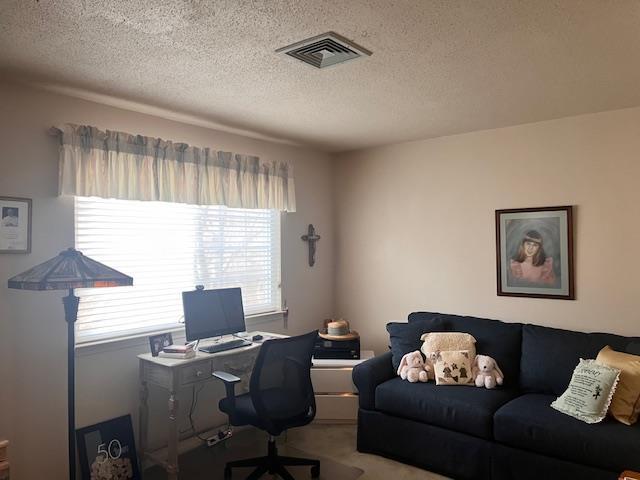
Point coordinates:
[(221, 347)]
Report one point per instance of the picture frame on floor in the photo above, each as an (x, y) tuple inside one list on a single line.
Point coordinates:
[(534, 252), (15, 225), (107, 450)]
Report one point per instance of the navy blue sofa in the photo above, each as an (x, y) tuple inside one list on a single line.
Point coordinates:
[(507, 433)]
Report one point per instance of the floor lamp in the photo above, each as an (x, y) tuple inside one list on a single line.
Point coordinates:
[(68, 270)]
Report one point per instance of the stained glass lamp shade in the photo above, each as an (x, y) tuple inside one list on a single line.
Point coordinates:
[(66, 271), (70, 269)]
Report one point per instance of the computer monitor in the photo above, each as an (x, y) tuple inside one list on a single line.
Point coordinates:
[(212, 313)]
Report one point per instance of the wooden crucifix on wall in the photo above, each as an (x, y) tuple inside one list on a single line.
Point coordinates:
[(311, 238)]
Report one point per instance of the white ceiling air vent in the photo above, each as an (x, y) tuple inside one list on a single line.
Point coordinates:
[(324, 50)]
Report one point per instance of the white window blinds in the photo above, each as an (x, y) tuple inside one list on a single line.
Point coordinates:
[(168, 248)]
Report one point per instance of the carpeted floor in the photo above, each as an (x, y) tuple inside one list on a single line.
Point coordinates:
[(334, 445), (339, 443)]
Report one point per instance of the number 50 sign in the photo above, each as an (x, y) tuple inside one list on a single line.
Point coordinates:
[(107, 451), (113, 452)]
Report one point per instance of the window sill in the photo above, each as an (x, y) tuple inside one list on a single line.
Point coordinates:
[(142, 339)]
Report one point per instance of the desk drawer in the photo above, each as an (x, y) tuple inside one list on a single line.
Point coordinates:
[(195, 373), (341, 408), (332, 380)]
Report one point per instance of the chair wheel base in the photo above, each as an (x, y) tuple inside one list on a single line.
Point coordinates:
[(272, 463)]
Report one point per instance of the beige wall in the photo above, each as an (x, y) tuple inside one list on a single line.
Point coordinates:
[(32, 328), (415, 223)]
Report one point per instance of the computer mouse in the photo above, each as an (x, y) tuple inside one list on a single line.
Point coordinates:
[(256, 338)]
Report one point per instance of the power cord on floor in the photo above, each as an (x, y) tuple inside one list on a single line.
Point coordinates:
[(194, 402)]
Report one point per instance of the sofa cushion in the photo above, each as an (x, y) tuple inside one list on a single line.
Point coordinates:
[(528, 422), (405, 337), (464, 409), (497, 339), (634, 347), (549, 355)]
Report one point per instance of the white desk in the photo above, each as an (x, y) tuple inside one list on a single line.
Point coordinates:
[(172, 374)]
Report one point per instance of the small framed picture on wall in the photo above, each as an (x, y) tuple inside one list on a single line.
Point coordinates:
[(534, 250), (15, 225)]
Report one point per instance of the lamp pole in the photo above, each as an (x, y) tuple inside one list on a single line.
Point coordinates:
[(68, 270), (71, 303)]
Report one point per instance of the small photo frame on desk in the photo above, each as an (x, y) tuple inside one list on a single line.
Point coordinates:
[(107, 450), (15, 225), (158, 342)]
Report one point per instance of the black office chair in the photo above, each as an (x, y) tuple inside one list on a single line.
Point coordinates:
[(280, 397)]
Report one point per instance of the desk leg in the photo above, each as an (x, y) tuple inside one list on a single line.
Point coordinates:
[(172, 458), (144, 419)]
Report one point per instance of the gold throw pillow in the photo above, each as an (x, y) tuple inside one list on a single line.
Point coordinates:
[(625, 406)]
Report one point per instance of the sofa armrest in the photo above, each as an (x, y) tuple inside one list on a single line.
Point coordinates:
[(368, 375)]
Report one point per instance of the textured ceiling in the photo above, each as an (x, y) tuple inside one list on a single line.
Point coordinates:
[(438, 67)]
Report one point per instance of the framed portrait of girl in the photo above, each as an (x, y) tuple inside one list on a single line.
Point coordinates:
[(534, 250)]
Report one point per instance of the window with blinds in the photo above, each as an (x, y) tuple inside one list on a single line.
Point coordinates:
[(168, 248)]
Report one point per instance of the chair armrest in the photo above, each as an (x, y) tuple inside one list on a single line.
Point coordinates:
[(368, 375), (229, 384), (226, 377)]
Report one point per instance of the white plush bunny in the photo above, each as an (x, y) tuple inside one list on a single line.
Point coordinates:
[(486, 372), (413, 368)]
